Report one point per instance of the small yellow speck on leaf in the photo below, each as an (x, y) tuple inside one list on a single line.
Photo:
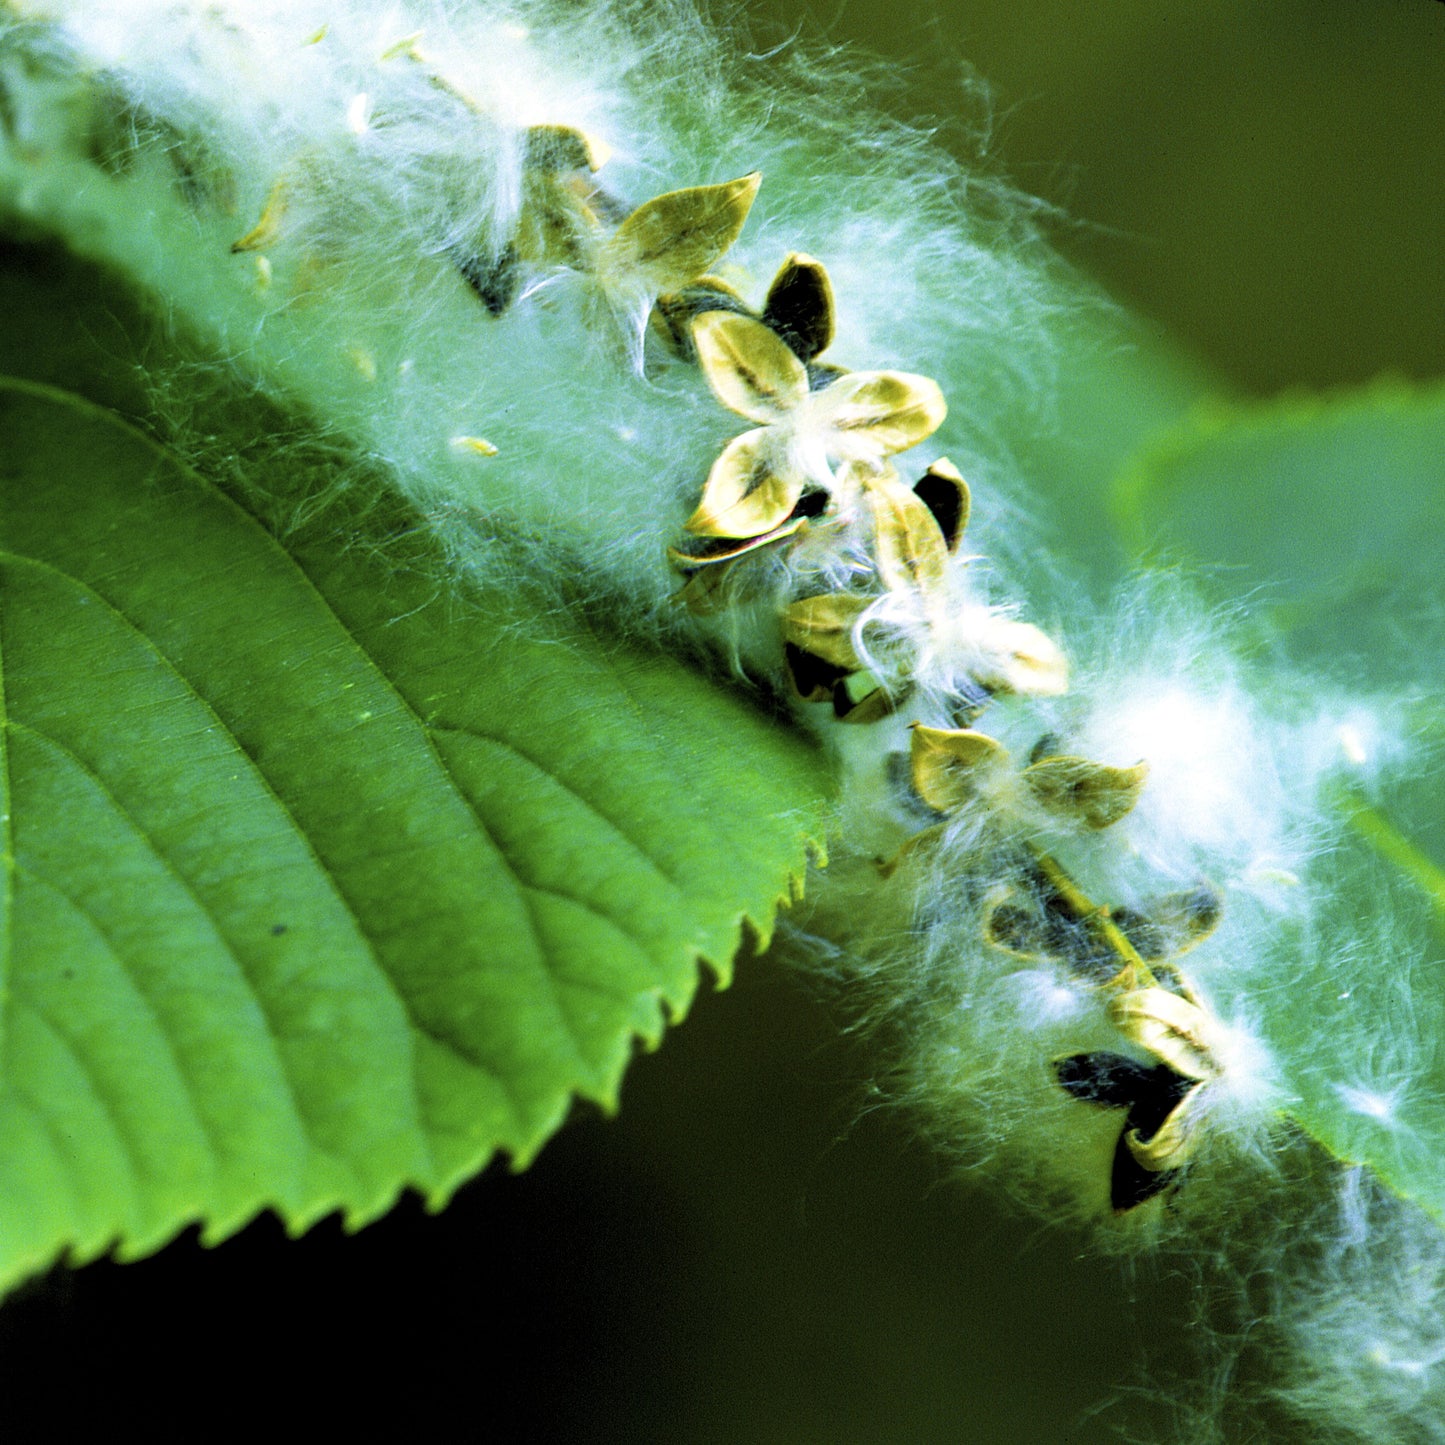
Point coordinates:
[(363, 359), (473, 446)]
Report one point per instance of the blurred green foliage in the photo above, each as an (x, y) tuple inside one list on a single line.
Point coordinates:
[(1267, 181)]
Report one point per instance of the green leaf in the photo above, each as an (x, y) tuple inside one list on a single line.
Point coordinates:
[(328, 878), (1330, 515), (1332, 508)]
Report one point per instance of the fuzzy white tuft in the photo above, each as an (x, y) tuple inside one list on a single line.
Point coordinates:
[(1080, 931), (384, 142)]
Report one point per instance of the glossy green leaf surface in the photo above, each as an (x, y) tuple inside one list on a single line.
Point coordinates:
[(1330, 516), (1333, 510), (326, 879)]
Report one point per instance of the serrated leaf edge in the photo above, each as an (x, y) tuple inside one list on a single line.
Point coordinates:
[(810, 846)]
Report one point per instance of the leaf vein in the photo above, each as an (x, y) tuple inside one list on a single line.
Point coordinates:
[(638, 849), (137, 1172), (226, 947)]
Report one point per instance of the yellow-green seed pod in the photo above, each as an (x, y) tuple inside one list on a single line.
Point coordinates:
[(748, 368), (675, 237), (1091, 793)]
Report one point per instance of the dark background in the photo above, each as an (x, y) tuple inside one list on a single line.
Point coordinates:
[(1264, 177), (751, 1253)]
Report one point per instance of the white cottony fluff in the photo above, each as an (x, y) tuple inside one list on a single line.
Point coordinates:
[(325, 194), (397, 133)]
